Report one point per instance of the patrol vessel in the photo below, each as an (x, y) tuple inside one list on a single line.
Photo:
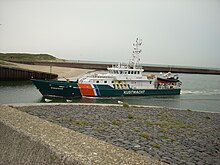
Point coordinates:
[(120, 80)]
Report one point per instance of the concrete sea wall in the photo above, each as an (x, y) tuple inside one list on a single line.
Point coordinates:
[(11, 73), (27, 139), (87, 65)]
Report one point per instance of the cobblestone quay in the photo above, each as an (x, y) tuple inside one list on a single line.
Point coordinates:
[(168, 135)]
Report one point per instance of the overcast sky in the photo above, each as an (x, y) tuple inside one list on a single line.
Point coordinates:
[(174, 32)]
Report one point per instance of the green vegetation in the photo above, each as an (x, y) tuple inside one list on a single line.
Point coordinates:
[(167, 122), (163, 137), (99, 129), (137, 130), (51, 117), (61, 119), (115, 122), (183, 156), (26, 57), (173, 139), (163, 116), (145, 134), (155, 145), (126, 105), (163, 130), (81, 122), (130, 116), (172, 124)]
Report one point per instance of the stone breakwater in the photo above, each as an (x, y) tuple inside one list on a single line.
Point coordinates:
[(168, 135), (27, 139)]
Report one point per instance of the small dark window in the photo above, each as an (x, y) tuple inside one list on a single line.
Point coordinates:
[(97, 81), (105, 81), (112, 82)]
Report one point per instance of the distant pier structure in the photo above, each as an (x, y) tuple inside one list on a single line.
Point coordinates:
[(12, 73), (148, 68)]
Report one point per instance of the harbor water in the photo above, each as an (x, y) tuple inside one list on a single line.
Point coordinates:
[(199, 92)]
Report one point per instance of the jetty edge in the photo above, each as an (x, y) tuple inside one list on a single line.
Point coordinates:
[(27, 139)]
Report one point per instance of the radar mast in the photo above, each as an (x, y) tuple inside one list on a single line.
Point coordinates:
[(135, 55)]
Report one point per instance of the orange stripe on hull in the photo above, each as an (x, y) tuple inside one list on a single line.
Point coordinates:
[(86, 90)]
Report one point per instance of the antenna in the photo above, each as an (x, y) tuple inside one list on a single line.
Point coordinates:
[(135, 55)]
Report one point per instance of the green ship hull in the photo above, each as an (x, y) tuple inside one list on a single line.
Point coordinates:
[(57, 88), (71, 89)]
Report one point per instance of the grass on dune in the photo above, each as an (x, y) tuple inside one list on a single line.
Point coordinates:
[(26, 57)]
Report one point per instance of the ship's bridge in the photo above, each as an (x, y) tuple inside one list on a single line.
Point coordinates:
[(125, 70)]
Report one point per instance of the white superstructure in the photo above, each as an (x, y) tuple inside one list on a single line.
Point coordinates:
[(128, 76)]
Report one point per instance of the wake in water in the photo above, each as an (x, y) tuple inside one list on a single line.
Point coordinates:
[(201, 92)]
